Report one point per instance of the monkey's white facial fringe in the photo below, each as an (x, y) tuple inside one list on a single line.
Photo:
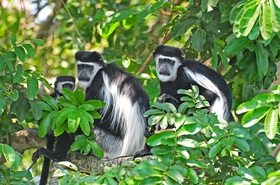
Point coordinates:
[(126, 116), (83, 84), (220, 104), (171, 68), (60, 85)]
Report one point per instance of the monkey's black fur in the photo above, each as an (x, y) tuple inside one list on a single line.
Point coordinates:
[(171, 61), (121, 129)]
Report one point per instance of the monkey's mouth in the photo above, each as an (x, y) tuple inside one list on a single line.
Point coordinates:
[(84, 79), (164, 73)]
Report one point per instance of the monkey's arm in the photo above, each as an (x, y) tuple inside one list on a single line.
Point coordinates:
[(165, 97)]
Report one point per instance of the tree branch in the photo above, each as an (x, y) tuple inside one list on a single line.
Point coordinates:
[(165, 39), (27, 139)]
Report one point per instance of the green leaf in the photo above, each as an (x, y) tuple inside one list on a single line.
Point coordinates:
[(20, 53), (2, 102), (32, 87), (50, 101), (76, 145), (142, 16), (242, 144), (182, 26), (96, 149), (190, 143), (189, 129), (39, 42), (44, 106), (64, 114), (84, 124), (275, 15), (30, 50), (247, 106), (254, 116), (215, 150), (9, 153), (109, 29), (69, 95), (156, 139), (265, 21), (157, 5), (73, 122), (270, 122), (79, 96), (2, 64), (123, 14), (45, 125), (175, 175), (198, 40), (236, 45), (262, 59), (96, 103), (192, 175), (249, 17), (153, 112), (20, 107), (161, 106), (36, 111)]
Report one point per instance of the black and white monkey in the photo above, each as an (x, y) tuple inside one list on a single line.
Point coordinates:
[(175, 72), (121, 130), (64, 141)]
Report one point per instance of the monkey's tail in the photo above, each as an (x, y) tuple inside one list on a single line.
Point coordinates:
[(46, 164)]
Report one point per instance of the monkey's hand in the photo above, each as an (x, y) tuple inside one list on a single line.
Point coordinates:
[(167, 98), (43, 152)]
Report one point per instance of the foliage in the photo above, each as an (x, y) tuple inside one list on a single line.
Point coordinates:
[(266, 106), (195, 150)]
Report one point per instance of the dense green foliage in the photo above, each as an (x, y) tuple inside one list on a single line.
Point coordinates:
[(239, 39)]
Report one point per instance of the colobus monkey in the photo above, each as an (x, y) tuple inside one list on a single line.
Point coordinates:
[(120, 131), (64, 141), (175, 72)]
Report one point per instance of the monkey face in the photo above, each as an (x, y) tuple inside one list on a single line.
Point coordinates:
[(167, 67), (86, 71)]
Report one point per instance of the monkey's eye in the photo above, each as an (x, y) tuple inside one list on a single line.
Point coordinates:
[(69, 86), (90, 68), (80, 67), (166, 61)]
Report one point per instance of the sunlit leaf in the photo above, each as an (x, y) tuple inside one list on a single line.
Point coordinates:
[(249, 16), (74, 121), (39, 42), (30, 50), (155, 139), (190, 143), (270, 122), (265, 21), (254, 116)]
